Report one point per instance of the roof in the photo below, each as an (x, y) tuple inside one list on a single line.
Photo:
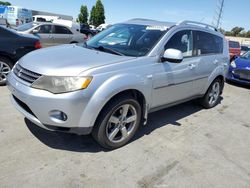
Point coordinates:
[(141, 21)]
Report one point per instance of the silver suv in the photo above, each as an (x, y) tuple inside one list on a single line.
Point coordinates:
[(110, 84)]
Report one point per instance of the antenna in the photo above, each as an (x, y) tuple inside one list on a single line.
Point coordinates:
[(218, 14)]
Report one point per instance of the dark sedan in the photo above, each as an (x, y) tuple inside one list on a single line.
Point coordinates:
[(85, 29), (13, 46)]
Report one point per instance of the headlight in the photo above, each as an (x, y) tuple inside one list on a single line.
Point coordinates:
[(233, 64), (62, 84)]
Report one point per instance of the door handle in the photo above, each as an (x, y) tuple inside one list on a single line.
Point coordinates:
[(191, 66), (216, 62)]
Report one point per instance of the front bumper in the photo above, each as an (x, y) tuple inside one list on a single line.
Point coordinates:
[(38, 105), (235, 78)]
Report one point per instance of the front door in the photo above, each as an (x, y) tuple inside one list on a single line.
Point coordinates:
[(173, 82), (45, 35)]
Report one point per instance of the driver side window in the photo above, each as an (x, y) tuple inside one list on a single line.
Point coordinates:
[(44, 29), (183, 41)]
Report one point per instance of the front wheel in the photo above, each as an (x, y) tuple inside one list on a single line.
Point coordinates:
[(117, 123), (5, 68), (211, 98)]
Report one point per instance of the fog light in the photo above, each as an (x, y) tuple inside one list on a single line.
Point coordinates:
[(58, 116)]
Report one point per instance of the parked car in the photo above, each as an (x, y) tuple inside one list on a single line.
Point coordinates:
[(103, 27), (244, 49), (12, 47), (108, 89), (85, 29), (239, 70), (51, 34), (234, 48)]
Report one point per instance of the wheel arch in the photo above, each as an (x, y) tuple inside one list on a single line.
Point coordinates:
[(4, 55), (134, 93)]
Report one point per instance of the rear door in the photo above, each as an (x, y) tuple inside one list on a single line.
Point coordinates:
[(62, 35), (208, 50)]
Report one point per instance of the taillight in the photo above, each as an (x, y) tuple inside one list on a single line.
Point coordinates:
[(38, 45)]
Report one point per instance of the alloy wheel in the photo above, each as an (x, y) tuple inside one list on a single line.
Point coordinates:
[(214, 93), (121, 123), (4, 71)]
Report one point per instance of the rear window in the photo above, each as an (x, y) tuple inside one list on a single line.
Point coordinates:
[(234, 44)]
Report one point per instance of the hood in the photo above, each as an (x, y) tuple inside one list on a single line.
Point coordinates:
[(242, 63), (67, 60)]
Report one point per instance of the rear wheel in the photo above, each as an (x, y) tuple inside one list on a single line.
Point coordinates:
[(117, 123), (5, 68), (211, 98)]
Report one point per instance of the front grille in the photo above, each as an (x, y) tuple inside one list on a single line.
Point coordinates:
[(26, 75), (242, 74), (23, 105)]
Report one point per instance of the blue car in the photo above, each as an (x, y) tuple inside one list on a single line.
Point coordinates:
[(239, 70)]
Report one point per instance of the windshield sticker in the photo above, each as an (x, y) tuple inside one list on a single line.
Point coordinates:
[(161, 28)]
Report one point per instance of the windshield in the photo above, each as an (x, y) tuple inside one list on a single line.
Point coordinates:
[(128, 39), (26, 27), (246, 55)]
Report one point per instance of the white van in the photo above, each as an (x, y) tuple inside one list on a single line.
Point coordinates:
[(17, 15), (44, 18), (3, 11)]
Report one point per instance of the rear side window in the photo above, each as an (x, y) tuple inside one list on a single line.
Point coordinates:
[(234, 44), (61, 30), (207, 43), (183, 41)]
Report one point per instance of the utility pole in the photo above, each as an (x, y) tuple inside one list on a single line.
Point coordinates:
[(218, 14)]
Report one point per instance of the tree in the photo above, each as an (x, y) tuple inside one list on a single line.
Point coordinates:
[(83, 16), (92, 16), (236, 31), (222, 30), (5, 3), (248, 34), (99, 13)]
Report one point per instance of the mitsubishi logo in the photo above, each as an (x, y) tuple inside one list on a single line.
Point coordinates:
[(20, 72)]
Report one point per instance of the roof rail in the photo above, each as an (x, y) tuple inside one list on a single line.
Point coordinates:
[(207, 26)]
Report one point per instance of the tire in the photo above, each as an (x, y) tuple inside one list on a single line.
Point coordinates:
[(112, 129), (211, 98), (5, 68)]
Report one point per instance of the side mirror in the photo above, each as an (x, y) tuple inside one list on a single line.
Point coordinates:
[(172, 55), (35, 31)]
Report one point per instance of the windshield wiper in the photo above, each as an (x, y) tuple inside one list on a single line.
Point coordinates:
[(104, 49)]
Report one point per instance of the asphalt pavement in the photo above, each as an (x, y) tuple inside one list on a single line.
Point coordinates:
[(183, 146)]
